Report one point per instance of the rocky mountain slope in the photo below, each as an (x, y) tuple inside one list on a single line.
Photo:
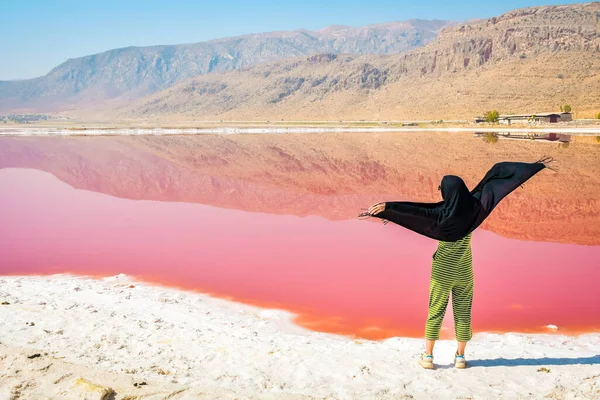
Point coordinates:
[(128, 73), (527, 60)]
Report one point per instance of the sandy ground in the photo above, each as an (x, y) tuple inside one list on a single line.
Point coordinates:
[(68, 337)]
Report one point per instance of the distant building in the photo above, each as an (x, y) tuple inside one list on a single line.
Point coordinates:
[(566, 117), (540, 117)]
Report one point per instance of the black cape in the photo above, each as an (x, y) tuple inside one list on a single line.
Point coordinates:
[(461, 211)]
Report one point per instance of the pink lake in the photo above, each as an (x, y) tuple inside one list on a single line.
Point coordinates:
[(351, 277), (270, 220)]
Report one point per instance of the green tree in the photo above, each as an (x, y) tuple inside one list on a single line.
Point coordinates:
[(598, 116), (492, 116), (567, 108)]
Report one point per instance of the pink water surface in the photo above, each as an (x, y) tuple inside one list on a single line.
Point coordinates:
[(352, 277)]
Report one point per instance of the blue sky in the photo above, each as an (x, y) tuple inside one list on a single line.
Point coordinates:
[(35, 36)]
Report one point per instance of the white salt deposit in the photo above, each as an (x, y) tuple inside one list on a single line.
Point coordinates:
[(270, 130), (121, 333)]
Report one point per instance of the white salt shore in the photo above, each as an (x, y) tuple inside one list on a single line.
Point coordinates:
[(64, 337), (282, 130)]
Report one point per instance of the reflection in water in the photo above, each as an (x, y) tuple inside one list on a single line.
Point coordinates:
[(331, 175), (339, 274), (492, 137)]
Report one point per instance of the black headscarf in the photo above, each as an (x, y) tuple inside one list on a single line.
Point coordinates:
[(461, 211)]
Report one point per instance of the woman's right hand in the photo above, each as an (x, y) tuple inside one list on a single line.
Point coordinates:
[(376, 208)]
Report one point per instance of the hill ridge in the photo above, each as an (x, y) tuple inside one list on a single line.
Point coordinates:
[(517, 62), (130, 72)]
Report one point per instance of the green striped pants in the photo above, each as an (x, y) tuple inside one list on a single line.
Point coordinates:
[(451, 272)]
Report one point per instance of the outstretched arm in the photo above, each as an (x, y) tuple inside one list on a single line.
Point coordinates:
[(502, 179), (419, 217)]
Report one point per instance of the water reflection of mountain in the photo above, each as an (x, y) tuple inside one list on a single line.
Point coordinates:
[(329, 175)]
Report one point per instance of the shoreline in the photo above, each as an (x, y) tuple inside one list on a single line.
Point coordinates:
[(281, 130), (293, 321), (189, 342)]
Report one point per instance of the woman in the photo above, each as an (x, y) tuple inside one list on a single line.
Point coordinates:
[(452, 222)]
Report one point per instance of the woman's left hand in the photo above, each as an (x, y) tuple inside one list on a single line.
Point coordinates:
[(376, 208)]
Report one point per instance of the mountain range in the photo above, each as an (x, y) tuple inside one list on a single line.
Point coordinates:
[(528, 60), (525, 61), (128, 73)]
